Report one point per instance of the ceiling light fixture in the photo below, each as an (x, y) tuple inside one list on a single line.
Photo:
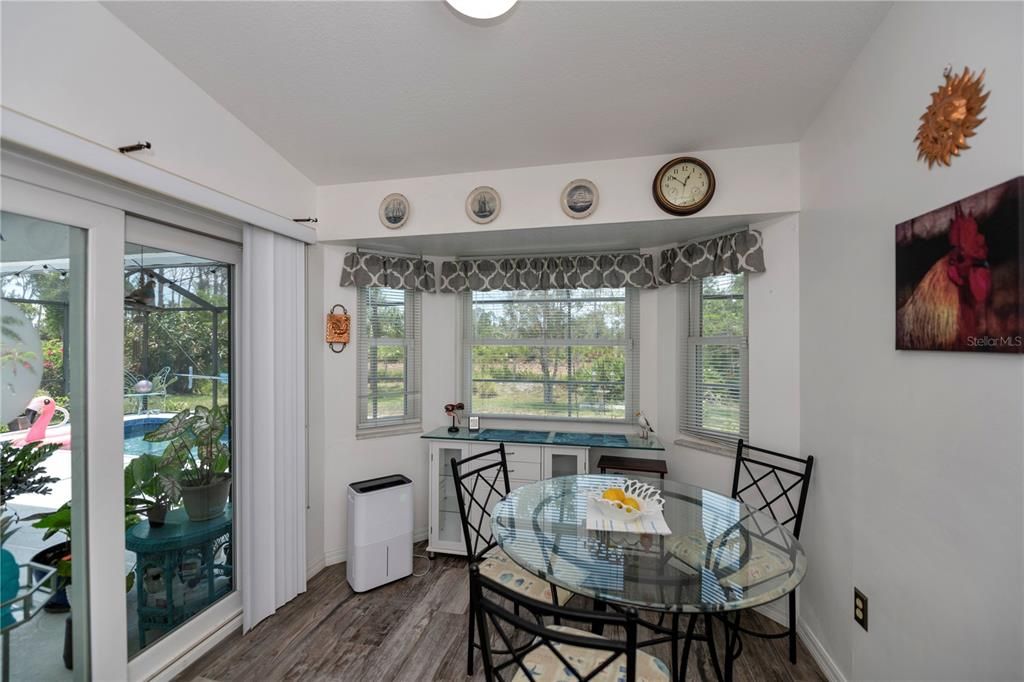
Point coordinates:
[(481, 9)]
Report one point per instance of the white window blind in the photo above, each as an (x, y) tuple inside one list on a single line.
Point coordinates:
[(714, 383), (551, 354), (388, 341)]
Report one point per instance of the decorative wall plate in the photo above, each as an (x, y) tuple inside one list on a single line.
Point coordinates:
[(394, 211), (951, 117), (579, 198), (483, 204)]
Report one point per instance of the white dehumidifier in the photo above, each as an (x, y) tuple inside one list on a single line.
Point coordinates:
[(379, 531)]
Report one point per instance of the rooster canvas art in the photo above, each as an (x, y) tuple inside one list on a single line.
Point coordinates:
[(959, 273)]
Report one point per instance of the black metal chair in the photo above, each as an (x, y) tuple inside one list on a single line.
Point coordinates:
[(539, 652), (481, 480), (777, 484)]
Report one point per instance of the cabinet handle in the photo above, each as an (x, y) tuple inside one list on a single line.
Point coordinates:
[(511, 471), (510, 452)]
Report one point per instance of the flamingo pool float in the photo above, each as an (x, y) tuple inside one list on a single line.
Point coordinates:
[(41, 432)]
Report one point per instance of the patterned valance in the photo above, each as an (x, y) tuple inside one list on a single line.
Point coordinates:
[(548, 272), (394, 272), (729, 254)]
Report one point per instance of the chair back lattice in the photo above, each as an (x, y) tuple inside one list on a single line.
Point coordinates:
[(480, 481), (515, 624), (773, 483)]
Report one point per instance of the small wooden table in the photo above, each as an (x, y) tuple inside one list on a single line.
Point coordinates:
[(635, 464)]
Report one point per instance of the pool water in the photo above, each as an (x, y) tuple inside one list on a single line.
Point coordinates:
[(135, 431)]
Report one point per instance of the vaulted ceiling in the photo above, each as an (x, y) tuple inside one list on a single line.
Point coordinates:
[(352, 91)]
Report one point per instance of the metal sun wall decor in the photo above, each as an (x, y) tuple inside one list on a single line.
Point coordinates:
[(951, 117)]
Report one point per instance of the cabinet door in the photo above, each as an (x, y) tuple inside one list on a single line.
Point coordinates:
[(560, 461), (445, 525)]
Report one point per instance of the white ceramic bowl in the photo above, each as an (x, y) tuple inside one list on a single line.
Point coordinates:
[(648, 496)]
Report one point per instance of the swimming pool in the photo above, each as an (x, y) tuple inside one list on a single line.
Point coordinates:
[(135, 429)]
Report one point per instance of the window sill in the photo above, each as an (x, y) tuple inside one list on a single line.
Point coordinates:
[(385, 431), (711, 446)]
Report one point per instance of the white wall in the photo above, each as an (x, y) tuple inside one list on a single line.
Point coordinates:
[(916, 498), (750, 180), (77, 67), (337, 458)]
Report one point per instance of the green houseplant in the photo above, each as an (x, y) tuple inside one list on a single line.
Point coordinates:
[(195, 448), (150, 485), (21, 472)]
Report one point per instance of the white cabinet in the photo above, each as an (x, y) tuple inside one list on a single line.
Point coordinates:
[(564, 461), (445, 533), (526, 464)]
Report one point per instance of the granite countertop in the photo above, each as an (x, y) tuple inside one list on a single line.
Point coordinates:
[(619, 441)]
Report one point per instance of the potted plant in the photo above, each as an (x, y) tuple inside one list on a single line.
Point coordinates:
[(150, 486), (21, 472), (194, 446)]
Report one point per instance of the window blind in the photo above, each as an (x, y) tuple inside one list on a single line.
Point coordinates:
[(714, 383), (551, 354), (388, 340)]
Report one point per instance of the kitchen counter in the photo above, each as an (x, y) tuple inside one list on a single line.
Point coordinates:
[(619, 441)]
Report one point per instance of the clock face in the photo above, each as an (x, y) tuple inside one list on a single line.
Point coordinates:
[(684, 186)]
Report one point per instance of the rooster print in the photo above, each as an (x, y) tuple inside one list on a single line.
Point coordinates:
[(959, 275)]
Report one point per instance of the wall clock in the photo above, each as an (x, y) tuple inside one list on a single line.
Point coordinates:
[(394, 211), (684, 186)]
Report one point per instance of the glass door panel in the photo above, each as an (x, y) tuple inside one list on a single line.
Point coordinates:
[(42, 435), (449, 527), (178, 446)]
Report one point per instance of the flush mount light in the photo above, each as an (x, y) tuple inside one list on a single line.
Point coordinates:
[(481, 9)]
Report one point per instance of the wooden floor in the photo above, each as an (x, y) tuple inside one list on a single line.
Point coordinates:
[(412, 630)]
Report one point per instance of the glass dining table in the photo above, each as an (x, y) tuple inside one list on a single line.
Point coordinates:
[(721, 558)]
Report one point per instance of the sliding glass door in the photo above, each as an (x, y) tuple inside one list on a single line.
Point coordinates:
[(56, 254), (116, 397), (178, 359)]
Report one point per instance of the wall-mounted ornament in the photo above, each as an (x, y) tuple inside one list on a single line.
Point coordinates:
[(951, 117), (483, 205), (579, 198), (394, 211), (338, 326)]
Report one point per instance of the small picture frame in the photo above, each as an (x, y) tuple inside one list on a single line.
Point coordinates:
[(483, 205), (474, 423), (394, 211), (579, 198)]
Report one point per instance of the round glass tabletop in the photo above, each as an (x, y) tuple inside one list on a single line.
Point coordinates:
[(721, 555)]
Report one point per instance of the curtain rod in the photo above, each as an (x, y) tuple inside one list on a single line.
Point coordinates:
[(614, 252)]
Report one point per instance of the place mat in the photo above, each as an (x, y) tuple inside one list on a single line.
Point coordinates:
[(649, 525)]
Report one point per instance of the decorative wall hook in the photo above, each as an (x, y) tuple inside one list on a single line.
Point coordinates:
[(338, 325), (305, 220), (137, 147)]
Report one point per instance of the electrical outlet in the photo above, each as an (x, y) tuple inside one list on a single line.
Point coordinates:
[(860, 608)]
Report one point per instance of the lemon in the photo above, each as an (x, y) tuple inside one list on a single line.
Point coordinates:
[(631, 502), (614, 494)]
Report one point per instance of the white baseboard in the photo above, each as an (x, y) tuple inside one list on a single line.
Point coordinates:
[(776, 611), (318, 565), (819, 654), (337, 556)]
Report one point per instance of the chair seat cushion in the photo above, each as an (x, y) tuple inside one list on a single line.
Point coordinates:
[(544, 665), (497, 566)]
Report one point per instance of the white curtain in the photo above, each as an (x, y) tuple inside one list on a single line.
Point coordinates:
[(272, 438)]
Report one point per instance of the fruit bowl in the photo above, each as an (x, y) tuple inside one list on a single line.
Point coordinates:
[(634, 500)]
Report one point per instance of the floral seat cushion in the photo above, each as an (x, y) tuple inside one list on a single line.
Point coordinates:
[(544, 665), (497, 566)]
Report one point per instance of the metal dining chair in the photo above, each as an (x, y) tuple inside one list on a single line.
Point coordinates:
[(480, 481), (776, 484), (548, 653)]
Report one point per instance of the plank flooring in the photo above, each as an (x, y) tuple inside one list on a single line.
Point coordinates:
[(414, 630)]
